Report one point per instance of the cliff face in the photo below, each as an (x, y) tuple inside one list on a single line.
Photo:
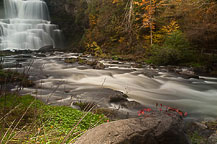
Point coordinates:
[(71, 18), (1, 9)]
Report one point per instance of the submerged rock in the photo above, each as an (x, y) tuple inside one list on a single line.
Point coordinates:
[(48, 48), (188, 75), (155, 129)]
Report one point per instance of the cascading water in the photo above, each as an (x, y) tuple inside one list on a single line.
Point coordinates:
[(27, 26)]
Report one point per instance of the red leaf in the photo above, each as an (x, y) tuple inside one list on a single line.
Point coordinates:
[(180, 113)]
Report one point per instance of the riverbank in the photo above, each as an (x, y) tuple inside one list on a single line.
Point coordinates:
[(119, 90), (24, 119), (61, 83)]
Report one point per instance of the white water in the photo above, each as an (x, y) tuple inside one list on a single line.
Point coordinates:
[(27, 26), (198, 97)]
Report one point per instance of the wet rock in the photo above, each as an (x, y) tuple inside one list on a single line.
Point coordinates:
[(119, 97), (155, 129), (212, 139), (114, 62), (136, 65), (188, 75), (149, 73), (45, 49), (202, 132), (94, 64), (200, 70), (40, 55), (99, 66), (23, 51), (132, 105), (23, 56), (70, 16), (198, 127), (21, 60)]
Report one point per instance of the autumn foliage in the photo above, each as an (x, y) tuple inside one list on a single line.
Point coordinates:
[(119, 27), (162, 109)]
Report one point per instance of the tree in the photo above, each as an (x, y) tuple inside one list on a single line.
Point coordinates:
[(145, 12)]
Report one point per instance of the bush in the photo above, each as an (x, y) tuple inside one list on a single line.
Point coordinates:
[(173, 51)]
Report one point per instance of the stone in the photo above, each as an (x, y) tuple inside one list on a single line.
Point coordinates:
[(40, 55), (48, 48), (70, 16), (155, 129), (99, 66), (212, 139), (188, 75)]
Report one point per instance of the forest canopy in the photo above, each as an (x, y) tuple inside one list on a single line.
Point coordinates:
[(175, 29)]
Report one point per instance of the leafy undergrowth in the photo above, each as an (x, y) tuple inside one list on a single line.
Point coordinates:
[(24, 119)]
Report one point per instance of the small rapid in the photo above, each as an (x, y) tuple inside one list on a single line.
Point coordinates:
[(198, 97)]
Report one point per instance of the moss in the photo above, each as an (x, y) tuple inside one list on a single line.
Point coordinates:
[(6, 53), (212, 125), (76, 60), (70, 60), (197, 139), (85, 106)]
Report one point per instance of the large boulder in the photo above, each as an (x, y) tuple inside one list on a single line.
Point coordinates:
[(152, 129)]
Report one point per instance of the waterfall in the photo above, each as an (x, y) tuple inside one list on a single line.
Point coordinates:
[(27, 26)]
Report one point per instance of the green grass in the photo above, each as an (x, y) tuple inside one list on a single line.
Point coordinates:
[(41, 123), (197, 139)]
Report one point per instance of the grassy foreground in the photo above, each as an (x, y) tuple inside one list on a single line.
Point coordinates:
[(24, 119)]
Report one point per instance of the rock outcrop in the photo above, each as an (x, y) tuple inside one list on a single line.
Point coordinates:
[(48, 48), (202, 132), (71, 18), (153, 129), (1, 10)]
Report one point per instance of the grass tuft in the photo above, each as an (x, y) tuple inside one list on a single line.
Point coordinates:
[(24, 119)]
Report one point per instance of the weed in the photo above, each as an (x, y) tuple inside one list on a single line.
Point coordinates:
[(28, 120)]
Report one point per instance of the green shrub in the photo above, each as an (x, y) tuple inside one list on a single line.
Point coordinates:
[(173, 51)]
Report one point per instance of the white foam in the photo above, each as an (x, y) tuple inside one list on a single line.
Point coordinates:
[(27, 26)]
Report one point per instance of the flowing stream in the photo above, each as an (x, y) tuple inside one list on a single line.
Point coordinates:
[(63, 83), (27, 26)]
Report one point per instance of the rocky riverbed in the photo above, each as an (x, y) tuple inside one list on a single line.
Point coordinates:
[(120, 89), (133, 86)]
